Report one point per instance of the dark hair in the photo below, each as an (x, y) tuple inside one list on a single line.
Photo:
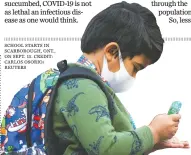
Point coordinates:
[(132, 26)]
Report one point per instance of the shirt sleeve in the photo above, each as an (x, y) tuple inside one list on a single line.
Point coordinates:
[(85, 108)]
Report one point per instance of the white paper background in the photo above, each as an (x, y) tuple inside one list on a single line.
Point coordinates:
[(156, 87)]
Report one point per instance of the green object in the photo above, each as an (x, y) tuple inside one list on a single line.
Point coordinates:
[(10, 148), (175, 108), (82, 120)]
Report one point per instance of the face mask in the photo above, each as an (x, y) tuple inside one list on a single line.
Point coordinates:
[(119, 81)]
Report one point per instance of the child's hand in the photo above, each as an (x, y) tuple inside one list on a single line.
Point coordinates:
[(172, 143)]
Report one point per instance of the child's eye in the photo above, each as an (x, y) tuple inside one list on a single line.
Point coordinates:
[(135, 68)]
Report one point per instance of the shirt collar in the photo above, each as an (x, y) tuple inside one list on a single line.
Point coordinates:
[(86, 62)]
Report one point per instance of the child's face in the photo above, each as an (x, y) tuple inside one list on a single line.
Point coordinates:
[(132, 65), (136, 64)]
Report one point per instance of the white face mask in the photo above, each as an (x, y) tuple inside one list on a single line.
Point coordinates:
[(120, 81)]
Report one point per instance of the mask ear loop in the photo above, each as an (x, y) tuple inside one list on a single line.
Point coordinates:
[(120, 56), (117, 53)]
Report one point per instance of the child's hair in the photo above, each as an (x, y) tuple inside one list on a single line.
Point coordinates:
[(132, 26)]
